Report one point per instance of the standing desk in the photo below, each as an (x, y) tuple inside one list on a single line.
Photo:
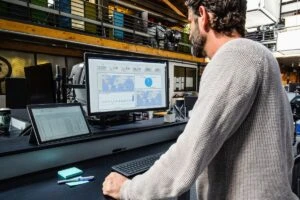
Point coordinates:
[(42, 185), (29, 172)]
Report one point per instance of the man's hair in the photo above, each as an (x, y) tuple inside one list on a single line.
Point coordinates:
[(228, 15)]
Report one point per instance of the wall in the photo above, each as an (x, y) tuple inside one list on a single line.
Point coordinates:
[(19, 60)]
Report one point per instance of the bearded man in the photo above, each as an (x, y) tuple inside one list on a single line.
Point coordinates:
[(237, 144)]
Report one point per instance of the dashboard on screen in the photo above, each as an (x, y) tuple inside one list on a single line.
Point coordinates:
[(125, 84)]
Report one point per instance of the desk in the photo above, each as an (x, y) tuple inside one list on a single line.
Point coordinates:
[(29, 172), (31, 158), (43, 185)]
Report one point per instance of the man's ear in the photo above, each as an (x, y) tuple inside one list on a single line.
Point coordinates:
[(204, 18)]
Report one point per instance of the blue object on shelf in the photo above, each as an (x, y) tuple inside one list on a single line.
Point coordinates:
[(298, 127), (64, 6), (118, 21)]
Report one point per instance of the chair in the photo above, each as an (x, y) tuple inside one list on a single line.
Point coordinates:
[(296, 176)]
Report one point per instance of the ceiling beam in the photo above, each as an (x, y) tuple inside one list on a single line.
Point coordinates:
[(159, 9), (174, 8), (38, 48)]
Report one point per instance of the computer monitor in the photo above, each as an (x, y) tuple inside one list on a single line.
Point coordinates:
[(40, 84), (55, 122), (121, 84), (16, 96)]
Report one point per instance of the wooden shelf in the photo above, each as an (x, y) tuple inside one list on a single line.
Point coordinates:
[(71, 37)]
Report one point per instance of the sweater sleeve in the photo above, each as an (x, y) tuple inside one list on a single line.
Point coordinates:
[(227, 92)]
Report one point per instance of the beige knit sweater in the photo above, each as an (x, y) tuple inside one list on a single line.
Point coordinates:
[(237, 144)]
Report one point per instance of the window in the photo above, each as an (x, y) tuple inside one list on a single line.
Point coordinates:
[(184, 78)]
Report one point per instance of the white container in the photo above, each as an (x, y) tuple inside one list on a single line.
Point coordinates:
[(170, 118)]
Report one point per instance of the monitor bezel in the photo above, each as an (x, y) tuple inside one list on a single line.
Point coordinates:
[(125, 58), (35, 130)]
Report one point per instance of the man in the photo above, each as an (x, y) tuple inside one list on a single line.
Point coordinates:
[(237, 144)]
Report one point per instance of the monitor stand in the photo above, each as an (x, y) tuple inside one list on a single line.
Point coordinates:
[(32, 137), (112, 120)]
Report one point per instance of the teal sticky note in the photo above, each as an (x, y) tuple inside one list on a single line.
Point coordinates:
[(71, 184), (69, 173)]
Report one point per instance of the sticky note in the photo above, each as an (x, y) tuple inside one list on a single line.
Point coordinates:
[(69, 173), (71, 184)]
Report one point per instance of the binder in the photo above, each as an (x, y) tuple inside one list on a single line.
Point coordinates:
[(118, 19), (90, 13), (77, 8), (38, 15), (64, 6), (3, 9)]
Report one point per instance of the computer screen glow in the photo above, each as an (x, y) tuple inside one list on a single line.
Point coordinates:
[(59, 122), (125, 85)]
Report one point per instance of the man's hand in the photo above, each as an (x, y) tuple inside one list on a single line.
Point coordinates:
[(112, 185)]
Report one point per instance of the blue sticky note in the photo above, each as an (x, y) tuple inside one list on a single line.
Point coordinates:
[(71, 184), (69, 173)]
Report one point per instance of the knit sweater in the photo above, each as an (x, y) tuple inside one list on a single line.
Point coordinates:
[(237, 144)]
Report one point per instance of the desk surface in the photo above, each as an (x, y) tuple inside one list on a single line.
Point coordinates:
[(16, 153), (12, 144), (43, 185), (27, 158)]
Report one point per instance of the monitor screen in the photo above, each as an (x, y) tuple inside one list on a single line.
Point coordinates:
[(125, 84), (53, 122)]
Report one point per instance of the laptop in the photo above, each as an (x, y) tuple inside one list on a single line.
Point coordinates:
[(56, 122)]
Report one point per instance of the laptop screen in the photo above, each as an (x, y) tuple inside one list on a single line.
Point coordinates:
[(57, 121)]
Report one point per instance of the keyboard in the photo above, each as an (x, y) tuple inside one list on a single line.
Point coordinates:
[(137, 166)]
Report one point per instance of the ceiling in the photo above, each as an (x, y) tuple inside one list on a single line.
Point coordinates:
[(165, 7), (292, 61), (179, 4)]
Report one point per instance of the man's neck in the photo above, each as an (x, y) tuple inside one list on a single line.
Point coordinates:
[(216, 40)]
